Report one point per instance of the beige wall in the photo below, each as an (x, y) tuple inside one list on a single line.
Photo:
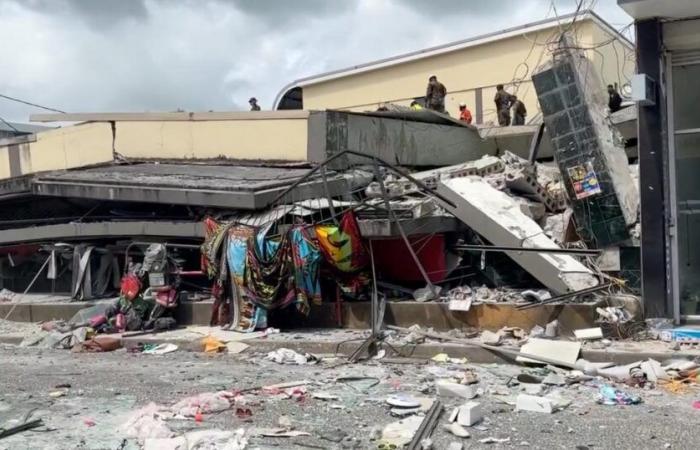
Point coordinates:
[(62, 148), (614, 61), (251, 139), (508, 61), (4, 163)]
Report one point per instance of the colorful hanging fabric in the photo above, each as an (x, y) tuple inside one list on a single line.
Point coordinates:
[(246, 315), (306, 258), (214, 236), (342, 245), (267, 270)]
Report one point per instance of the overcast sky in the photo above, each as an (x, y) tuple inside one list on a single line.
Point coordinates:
[(199, 55)]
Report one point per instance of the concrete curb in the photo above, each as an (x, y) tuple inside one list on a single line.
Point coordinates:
[(420, 351)]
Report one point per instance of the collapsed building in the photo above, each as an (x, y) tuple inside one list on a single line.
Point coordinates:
[(285, 217)]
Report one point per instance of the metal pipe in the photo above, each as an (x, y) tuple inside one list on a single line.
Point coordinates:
[(590, 290), (501, 248)]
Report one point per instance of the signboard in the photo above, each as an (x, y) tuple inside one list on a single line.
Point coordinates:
[(584, 180)]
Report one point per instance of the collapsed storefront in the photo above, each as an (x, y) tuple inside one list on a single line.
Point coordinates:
[(282, 238)]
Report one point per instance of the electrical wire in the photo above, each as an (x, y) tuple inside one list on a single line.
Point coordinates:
[(7, 97)]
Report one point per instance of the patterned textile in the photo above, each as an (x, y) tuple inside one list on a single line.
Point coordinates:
[(307, 268), (245, 312), (264, 272), (342, 245)]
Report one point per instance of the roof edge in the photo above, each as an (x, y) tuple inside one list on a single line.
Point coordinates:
[(450, 47)]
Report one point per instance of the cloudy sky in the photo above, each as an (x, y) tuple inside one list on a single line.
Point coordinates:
[(198, 55)]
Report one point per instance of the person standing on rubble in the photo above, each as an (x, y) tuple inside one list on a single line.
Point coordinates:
[(614, 99), (519, 111), (253, 102), (464, 114), (435, 95), (503, 101)]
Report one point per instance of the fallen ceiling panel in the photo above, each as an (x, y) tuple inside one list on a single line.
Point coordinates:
[(236, 187), (99, 230)]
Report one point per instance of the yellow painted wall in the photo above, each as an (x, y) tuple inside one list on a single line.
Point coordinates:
[(62, 148), (4, 163), (614, 61), (508, 61), (251, 139)]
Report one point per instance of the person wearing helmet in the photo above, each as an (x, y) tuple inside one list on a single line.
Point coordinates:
[(464, 114), (416, 106), (253, 102)]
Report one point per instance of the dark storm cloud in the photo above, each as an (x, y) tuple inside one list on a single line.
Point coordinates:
[(469, 9), (97, 13), (294, 12)]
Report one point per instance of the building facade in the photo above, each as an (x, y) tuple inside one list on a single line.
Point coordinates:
[(668, 55), (470, 70)]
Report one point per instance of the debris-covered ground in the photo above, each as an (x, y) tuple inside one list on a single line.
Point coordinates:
[(85, 401)]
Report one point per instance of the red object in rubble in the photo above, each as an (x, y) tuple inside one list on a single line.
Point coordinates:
[(130, 286), (430, 251)]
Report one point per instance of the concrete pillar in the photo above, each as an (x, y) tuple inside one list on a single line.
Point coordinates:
[(653, 166)]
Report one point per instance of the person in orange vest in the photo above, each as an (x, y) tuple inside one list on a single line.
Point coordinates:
[(464, 114)]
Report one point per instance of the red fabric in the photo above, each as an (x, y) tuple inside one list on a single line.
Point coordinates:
[(394, 261), (465, 115), (360, 257)]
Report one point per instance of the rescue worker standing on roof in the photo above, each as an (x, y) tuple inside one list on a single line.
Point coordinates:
[(519, 111), (435, 95), (503, 102), (253, 102), (614, 99), (464, 114)]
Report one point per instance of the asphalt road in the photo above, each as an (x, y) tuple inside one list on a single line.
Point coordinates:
[(106, 388)]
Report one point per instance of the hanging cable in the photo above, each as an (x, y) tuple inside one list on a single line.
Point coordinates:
[(31, 104)]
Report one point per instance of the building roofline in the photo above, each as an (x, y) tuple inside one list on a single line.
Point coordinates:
[(451, 47)]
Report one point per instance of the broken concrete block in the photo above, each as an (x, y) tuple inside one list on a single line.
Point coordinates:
[(533, 209), (533, 403), (559, 227), (449, 389), (457, 429), (497, 217), (563, 351), (469, 414), (527, 185), (455, 446), (588, 150), (453, 415), (588, 333), (554, 379), (486, 165), (653, 370), (490, 338), (552, 329)]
